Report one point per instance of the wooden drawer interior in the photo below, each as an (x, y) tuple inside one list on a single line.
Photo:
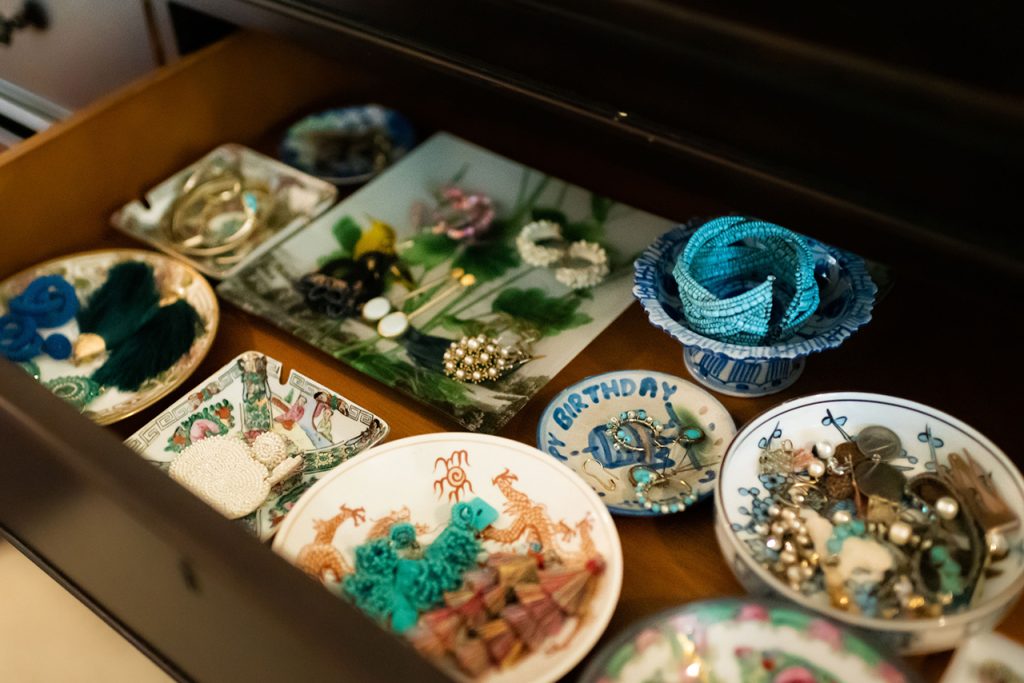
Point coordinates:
[(59, 188)]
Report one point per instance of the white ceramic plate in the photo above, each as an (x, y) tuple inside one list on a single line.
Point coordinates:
[(572, 430), (418, 479), (247, 396), (987, 658)]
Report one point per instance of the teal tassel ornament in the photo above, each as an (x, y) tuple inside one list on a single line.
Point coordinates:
[(165, 336), (116, 310), (396, 589)]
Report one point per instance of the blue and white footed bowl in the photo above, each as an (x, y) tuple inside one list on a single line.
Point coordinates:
[(299, 147), (927, 436), (847, 296)]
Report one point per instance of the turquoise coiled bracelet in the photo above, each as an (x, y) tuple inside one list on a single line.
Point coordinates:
[(746, 281)]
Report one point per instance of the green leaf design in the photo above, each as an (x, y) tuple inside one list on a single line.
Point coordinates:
[(467, 326), (488, 260), (429, 250), (347, 232), (437, 388), (599, 207), (553, 215), (327, 258), (430, 386), (587, 229), (550, 315)]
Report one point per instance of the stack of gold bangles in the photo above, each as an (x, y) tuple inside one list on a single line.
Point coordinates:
[(217, 213)]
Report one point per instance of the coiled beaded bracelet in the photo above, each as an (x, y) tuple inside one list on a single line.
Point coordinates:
[(746, 281)]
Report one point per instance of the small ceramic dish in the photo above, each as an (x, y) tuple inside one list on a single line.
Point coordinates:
[(928, 436), (741, 641), (293, 198), (247, 396), (573, 431), (350, 145), (86, 271), (543, 508), (847, 296), (986, 658)]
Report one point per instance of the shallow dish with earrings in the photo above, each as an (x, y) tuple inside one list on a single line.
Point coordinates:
[(86, 271), (647, 442)]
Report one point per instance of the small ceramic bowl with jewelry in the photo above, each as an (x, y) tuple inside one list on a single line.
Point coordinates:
[(348, 145), (846, 295), (884, 514)]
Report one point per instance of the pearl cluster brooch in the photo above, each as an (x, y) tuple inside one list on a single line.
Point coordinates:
[(482, 359)]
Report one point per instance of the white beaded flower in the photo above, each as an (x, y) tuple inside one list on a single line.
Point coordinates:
[(534, 254), (227, 474), (585, 265)]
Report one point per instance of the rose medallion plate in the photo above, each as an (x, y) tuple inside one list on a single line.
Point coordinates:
[(248, 397), (741, 641), (86, 272)]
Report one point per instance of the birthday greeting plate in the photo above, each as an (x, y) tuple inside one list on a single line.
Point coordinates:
[(86, 272), (741, 641), (247, 397), (544, 511), (607, 427)]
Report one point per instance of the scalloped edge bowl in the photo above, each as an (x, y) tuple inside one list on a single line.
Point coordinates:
[(746, 371)]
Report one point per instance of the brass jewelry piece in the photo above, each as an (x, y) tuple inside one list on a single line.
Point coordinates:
[(484, 359), (610, 485)]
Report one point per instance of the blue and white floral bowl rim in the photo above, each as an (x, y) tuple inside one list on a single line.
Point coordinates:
[(703, 493), (961, 620), (651, 258), (399, 129)]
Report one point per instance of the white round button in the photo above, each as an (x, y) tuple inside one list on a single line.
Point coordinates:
[(393, 325), (376, 308)]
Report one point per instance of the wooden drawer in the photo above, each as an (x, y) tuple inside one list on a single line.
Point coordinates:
[(199, 595)]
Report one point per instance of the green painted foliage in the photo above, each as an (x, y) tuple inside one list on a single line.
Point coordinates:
[(487, 260), (549, 315), (347, 232), (429, 250)]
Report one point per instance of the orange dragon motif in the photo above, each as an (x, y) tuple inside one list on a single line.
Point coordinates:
[(529, 519), (381, 527), (320, 559)]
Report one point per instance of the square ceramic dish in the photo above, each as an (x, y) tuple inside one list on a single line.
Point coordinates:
[(299, 198), (247, 397)]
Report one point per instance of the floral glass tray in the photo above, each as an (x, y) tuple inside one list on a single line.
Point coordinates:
[(246, 396), (508, 295), (297, 198)]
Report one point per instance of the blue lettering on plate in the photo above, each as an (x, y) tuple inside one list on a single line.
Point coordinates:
[(609, 389), (668, 390), (553, 446), (648, 385)]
